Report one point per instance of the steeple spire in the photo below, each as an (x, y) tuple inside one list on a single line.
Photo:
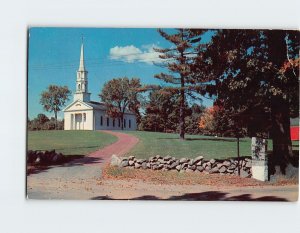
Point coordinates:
[(81, 63), (82, 80)]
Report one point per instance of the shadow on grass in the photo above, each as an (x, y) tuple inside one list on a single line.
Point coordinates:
[(206, 139), (70, 161), (204, 196), (78, 147), (73, 147)]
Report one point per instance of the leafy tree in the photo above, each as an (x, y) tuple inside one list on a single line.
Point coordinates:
[(216, 120), (33, 125), (254, 74), (42, 122), (206, 121), (42, 119), (50, 125), (54, 98), (120, 95), (194, 114), (38, 122), (177, 59), (160, 112)]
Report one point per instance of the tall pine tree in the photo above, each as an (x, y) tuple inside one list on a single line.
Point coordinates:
[(178, 59)]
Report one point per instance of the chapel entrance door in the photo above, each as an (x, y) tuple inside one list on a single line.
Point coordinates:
[(78, 120)]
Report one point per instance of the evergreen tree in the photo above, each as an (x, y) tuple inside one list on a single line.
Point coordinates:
[(178, 59)]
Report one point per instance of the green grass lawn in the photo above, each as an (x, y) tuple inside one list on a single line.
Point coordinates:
[(69, 142), (163, 144)]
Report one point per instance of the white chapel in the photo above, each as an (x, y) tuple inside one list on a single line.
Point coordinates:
[(84, 114)]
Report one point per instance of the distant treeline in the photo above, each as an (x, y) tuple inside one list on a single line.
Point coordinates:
[(42, 122)]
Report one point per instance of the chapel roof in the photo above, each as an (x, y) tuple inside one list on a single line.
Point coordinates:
[(97, 105), (102, 106)]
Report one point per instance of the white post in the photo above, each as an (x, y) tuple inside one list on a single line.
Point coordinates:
[(71, 121), (259, 147), (74, 121), (82, 120)]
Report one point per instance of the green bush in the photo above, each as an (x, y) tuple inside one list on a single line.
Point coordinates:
[(42, 122)]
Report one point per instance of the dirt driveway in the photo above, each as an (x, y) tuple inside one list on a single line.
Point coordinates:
[(51, 183)]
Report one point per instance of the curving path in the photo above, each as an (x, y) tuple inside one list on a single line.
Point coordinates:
[(69, 180), (121, 147)]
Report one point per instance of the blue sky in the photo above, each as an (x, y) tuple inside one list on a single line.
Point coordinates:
[(53, 58)]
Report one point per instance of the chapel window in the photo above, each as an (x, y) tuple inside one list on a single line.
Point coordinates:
[(107, 121), (129, 123), (101, 120), (113, 122)]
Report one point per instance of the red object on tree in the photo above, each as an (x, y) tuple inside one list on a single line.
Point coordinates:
[(295, 133)]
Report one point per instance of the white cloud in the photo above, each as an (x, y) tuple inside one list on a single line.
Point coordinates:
[(132, 54)]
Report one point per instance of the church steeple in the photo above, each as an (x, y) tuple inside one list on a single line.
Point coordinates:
[(82, 81), (81, 63)]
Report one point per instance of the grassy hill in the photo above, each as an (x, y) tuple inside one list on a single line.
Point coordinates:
[(152, 143), (69, 142)]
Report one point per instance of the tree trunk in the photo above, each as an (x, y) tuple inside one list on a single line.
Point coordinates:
[(282, 144), (55, 115), (181, 111), (238, 154), (122, 122)]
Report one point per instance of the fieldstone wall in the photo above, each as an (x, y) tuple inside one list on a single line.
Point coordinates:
[(37, 157), (198, 164)]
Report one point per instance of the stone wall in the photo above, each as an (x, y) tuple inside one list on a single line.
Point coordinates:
[(37, 157), (198, 164)]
